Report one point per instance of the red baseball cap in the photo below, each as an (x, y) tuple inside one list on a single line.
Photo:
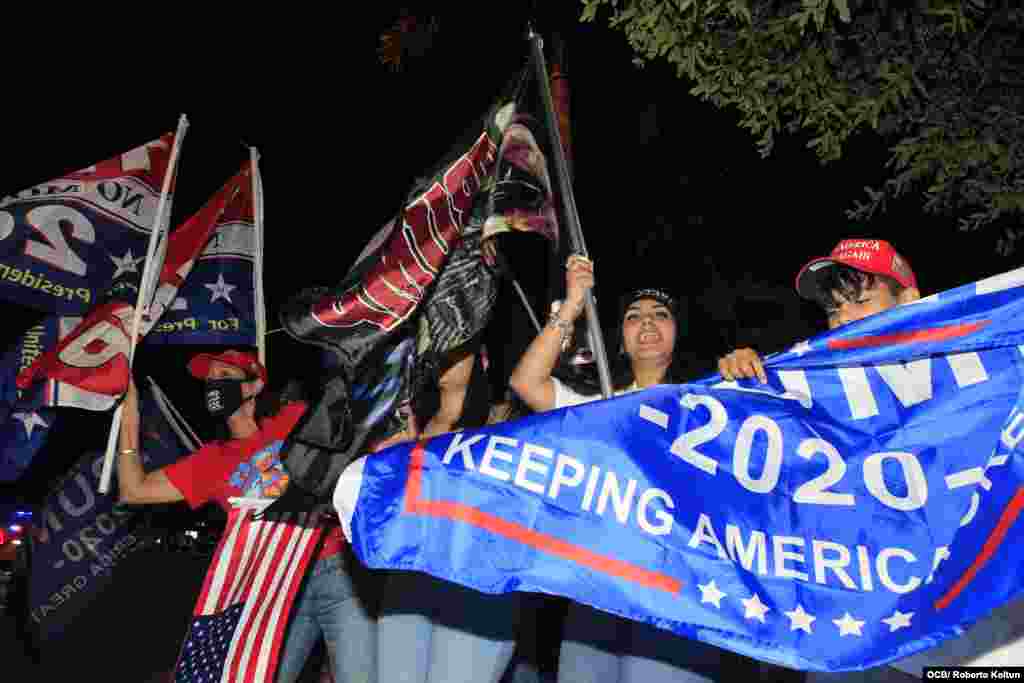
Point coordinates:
[(199, 366), (869, 256)]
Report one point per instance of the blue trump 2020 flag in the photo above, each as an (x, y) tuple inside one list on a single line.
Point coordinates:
[(82, 534), (860, 507), (62, 242), (25, 417)]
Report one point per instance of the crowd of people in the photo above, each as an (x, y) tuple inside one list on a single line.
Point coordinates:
[(408, 627)]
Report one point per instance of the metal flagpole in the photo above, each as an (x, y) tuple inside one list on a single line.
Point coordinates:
[(506, 270), (527, 306), (596, 341), (174, 418), (260, 306), (146, 286)]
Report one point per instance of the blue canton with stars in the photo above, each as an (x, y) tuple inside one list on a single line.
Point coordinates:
[(206, 648), (858, 508), (217, 302), (25, 421)]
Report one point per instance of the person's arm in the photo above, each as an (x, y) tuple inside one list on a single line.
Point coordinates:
[(531, 379), (135, 486), (453, 385)]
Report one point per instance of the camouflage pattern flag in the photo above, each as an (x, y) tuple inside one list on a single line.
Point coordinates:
[(423, 277)]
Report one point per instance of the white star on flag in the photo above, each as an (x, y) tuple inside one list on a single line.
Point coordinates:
[(801, 348), (30, 421), (799, 619), (848, 625), (898, 620), (755, 609), (125, 264), (220, 289), (709, 592)]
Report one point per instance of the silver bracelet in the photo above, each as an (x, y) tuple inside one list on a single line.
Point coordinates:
[(564, 330)]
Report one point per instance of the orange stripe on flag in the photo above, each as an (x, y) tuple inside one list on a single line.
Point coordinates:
[(932, 334), (415, 505), (992, 544)]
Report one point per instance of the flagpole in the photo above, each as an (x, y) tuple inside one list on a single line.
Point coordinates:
[(141, 300), (258, 302), (527, 306), (596, 341), (148, 280), (506, 270), (174, 418)]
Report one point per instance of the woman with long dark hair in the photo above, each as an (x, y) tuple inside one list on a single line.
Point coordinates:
[(597, 646), (647, 356)]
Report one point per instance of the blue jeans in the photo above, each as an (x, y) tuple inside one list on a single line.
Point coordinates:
[(434, 631), (598, 647), (336, 601)]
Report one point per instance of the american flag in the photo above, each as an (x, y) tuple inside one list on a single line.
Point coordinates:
[(239, 620)]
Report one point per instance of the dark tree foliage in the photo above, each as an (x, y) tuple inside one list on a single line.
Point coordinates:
[(942, 81)]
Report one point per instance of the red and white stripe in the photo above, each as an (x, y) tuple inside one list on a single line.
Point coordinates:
[(259, 563)]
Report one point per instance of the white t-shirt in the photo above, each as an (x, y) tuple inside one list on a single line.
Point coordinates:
[(565, 397)]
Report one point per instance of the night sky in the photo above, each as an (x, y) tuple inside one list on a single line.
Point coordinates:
[(670, 191)]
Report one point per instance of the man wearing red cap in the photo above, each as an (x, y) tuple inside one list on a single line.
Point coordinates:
[(859, 278), (330, 602)]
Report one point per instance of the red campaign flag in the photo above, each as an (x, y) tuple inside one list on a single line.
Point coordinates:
[(92, 358), (240, 617), (147, 163), (234, 202), (90, 364)]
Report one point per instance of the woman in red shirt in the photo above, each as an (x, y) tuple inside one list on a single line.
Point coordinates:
[(334, 601)]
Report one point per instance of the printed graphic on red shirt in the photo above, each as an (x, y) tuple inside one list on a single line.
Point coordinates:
[(263, 475)]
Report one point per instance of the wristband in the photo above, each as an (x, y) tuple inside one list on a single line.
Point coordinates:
[(564, 330)]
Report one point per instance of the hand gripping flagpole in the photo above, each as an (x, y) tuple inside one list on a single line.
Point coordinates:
[(147, 284), (596, 341)]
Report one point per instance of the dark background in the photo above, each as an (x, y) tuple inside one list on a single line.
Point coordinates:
[(670, 191)]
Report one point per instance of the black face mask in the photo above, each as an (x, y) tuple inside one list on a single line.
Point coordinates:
[(223, 397)]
